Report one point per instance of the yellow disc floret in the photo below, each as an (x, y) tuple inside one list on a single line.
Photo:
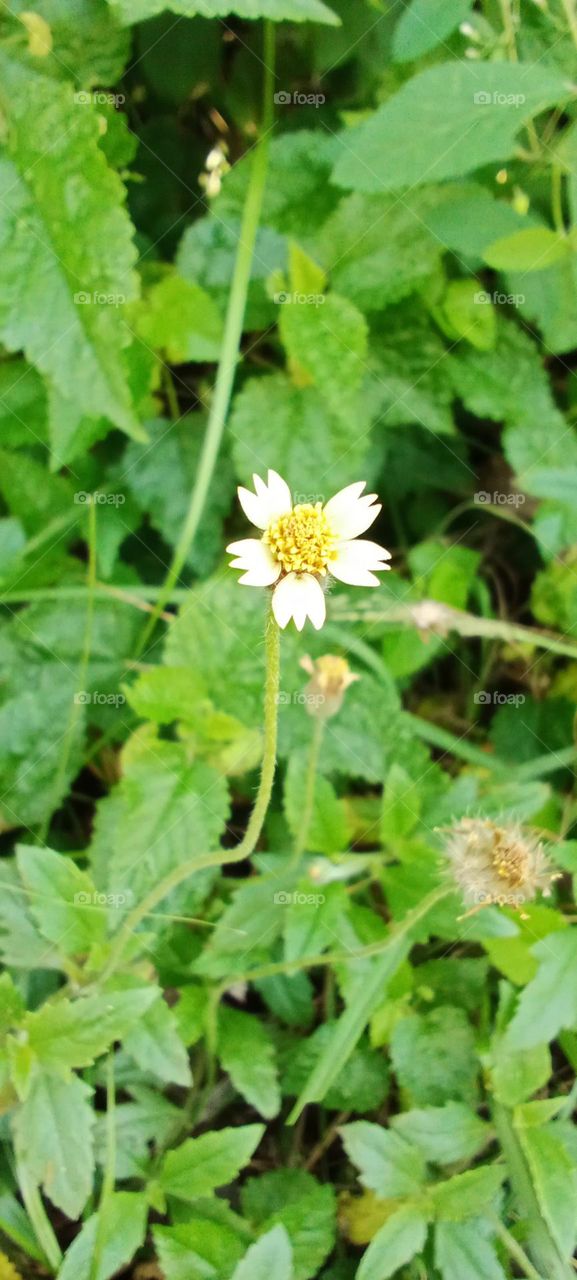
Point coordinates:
[(302, 541)]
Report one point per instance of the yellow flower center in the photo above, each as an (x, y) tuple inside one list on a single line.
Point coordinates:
[(302, 541), (510, 862)]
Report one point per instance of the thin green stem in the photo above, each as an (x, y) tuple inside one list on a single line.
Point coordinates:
[(38, 1217), (230, 343), (557, 198), (540, 1243), (302, 834), (571, 16), (220, 857), (109, 1179), (81, 674), (515, 1251)]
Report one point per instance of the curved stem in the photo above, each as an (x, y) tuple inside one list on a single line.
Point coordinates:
[(309, 798), (109, 1179), (230, 342), (38, 1217), (220, 857), (515, 1251)]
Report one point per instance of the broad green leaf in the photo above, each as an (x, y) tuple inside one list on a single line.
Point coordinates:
[(554, 1180), (181, 320), (155, 1044), (326, 345), (313, 920), (123, 1230), (388, 1164), (424, 24), (21, 944), (433, 1056), (63, 900), (23, 408), (86, 42), (361, 1085), (513, 956), (517, 1074), (378, 251), (329, 828), (63, 225), (532, 250), (197, 1249), (246, 1051), (70, 1033), (444, 1134), (147, 1118), (549, 1002), (303, 1206), (271, 1255), (408, 141), (310, 438), (53, 1139), (16, 1226), (467, 1193), (200, 1164), (12, 1007), (130, 11), (462, 313), (462, 1248), (398, 1240)]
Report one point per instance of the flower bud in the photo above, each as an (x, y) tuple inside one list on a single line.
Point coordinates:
[(330, 678)]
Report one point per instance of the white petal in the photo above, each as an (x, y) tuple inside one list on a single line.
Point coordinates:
[(257, 560), (299, 596), (349, 513), (355, 561), (271, 500)]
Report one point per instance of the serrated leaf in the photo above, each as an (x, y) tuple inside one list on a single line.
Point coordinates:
[(467, 1193), (130, 11), (485, 106), (73, 1033), (397, 1241), (433, 1056), (462, 1248), (62, 899), (554, 1180), (155, 1044), (200, 1164), (271, 1255), (326, 345), (549, 1002), (122, 1222), (329, 829), (306, 1209), (388, 1165), (63, 225), (246, 1051), (379, 252), (53, 1138), (193, 1250), (444, 1134), (181, 320)]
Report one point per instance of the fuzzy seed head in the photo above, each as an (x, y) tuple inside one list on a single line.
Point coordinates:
[(499, 865)]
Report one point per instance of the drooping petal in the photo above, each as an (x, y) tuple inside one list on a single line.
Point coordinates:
[(252, 555), (356, 559), (349, 513), (271, 500), (299, 596)]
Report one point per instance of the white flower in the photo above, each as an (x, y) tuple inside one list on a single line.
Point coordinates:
[(301, 544)]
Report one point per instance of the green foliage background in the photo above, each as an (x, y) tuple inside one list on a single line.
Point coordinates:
[(308, 1068)]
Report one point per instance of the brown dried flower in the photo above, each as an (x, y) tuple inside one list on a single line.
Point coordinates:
[(497, 865)]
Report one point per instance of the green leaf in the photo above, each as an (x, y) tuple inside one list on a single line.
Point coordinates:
[(53, 1138), (213, 1160), (326, 344), (408, 141), (444, 1134), (246, 1051), (396, 1242), (329, 829), (388, 1165), (73, 1033), (63, 899), (63, 225), (466, 1194), (306, 1209), (424, 24), (147, 1118), (197, 1249), (181, 320), (130, 11), (534, 249), (517, 1074), (554, 1180), (23, 408), (310, 438), (462, 1248), (12, 1007), (123, 1230), (549, 1002), (155, 1044), (463, 313), (379, 252), (433, 1056), (271, 1255)]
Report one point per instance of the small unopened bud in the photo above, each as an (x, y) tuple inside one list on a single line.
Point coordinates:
[(497, 866), (330, 679)]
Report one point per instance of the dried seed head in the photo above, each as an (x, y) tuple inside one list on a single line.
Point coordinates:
[(330, 679), (505, 866)]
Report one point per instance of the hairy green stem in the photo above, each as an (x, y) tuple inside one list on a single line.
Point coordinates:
[(302, 835), (541, 1245), (109, 1179), (220, 857), (515, 1251), (81, 675), (230, 343)]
